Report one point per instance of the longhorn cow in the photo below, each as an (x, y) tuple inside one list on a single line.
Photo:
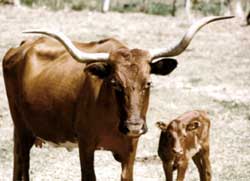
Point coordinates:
[(87, 95)]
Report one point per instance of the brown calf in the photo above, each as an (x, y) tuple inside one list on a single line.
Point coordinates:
[(183, 138)]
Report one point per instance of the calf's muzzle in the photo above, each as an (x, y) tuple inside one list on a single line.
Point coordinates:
[(178, 151)]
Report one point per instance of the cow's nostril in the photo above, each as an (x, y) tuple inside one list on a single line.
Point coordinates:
[(133, 123), (135, 127)]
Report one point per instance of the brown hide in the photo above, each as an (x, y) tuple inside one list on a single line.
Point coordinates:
[(183, 138), (46, 83), (52, 97)]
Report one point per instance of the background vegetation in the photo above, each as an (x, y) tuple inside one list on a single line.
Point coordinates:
[(158, 7)]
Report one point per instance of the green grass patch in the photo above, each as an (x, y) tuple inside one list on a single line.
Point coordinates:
[(159, 9), (208, 8), (151, 8), (76, 5)]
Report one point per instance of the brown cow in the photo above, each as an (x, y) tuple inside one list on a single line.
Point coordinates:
[(183, 138), (91, 95)]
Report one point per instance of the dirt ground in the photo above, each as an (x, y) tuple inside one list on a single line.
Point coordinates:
[(213, 74)]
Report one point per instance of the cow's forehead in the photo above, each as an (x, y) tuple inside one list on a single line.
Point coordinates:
[(131, 64), (127, 56)]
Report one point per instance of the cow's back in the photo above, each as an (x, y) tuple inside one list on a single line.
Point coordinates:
[(43, 83)]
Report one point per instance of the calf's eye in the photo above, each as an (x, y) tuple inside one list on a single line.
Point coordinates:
[(169, 136)]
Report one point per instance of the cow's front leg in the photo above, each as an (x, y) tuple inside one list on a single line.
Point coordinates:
[(128, 163), (87, 162)]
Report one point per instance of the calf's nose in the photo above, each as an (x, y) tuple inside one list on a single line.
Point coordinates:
[(178, 151)]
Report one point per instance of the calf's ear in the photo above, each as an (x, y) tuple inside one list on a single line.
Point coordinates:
[(164, 66), (193, 125), (161, 125), (99, 69)]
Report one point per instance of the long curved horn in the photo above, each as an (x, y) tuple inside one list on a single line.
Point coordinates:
[(182, 45), (77, 54)]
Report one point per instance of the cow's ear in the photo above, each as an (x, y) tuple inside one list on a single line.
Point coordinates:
[(193, 125), (161, 125), (163, 66), (100, 69)]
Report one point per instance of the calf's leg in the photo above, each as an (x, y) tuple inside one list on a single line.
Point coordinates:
[(198, 162), (206, 163), (181, 170), (168, 170)]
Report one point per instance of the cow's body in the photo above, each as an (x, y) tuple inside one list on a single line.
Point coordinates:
[(44, 90), (51, 97), (184, 138), (99, 103)]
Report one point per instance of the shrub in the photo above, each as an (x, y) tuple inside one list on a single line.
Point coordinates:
[(159, 9), (208, 8)]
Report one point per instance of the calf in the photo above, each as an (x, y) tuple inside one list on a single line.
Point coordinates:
[(183, 138)]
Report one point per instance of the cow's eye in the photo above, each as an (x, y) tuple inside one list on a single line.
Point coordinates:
[(116, 85), (113, 81), (148, 84)]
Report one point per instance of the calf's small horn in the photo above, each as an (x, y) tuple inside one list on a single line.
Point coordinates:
[(77, 54), (182, 45)]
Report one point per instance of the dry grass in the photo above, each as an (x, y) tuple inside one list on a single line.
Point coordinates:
[(212, 75)]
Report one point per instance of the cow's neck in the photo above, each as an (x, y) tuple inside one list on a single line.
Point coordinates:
[(98, 101)]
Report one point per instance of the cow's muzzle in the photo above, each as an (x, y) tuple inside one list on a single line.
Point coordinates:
[(135, 128)]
